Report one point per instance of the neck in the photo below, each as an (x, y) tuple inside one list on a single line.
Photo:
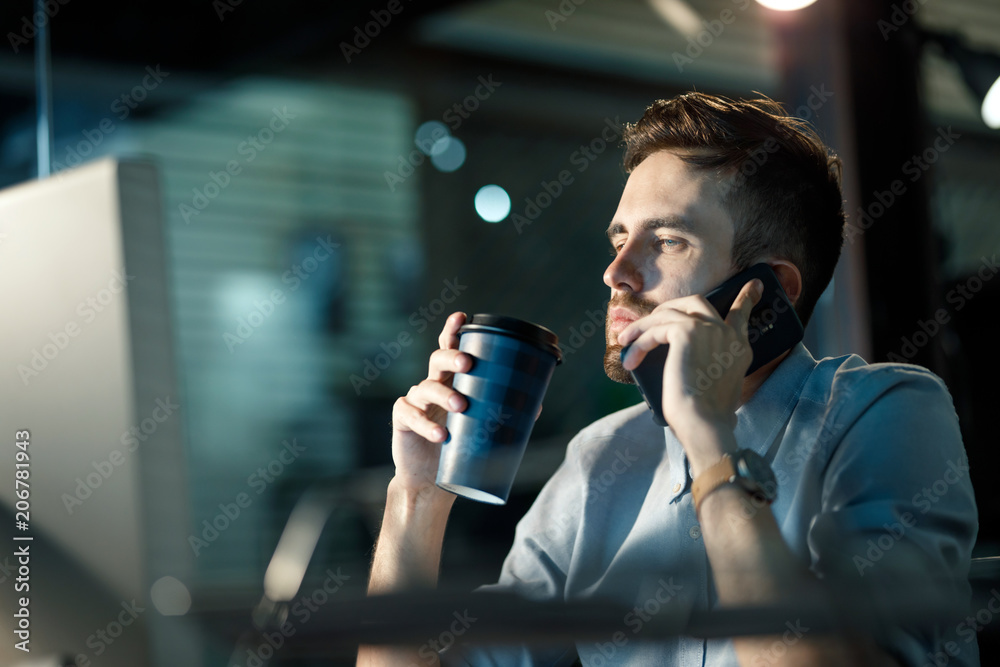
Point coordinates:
[(753, 381)]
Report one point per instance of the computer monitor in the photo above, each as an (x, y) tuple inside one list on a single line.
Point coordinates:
[(88, 372)]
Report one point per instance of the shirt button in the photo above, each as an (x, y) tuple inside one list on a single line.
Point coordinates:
[(695, 532), (677, 487)]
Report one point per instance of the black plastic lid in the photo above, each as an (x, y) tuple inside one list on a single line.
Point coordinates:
[(520, 329)]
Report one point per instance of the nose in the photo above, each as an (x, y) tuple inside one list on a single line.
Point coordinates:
[(624, 272)]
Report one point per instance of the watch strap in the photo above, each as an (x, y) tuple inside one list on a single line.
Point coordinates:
[(719, 474)]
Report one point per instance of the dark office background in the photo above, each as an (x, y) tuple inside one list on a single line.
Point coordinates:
[(185, 83)]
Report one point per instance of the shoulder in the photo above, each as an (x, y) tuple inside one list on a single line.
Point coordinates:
[(895, 418), (845, 404), (631, 425), (622, 421), (849, 385)]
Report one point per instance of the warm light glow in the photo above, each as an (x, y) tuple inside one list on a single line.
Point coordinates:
[(679, 15), (991, 106), (785, 5)]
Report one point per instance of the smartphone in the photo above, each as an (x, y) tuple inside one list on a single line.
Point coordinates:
[(774, 327)]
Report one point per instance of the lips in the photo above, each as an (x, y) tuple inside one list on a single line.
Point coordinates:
[(621, 317)]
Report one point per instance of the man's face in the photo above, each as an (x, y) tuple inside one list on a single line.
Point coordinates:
[(672, 239)]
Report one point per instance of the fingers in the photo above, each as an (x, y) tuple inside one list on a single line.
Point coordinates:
[(689, 308), (445, 363), (682, 309), (417, 410), (448, 339), (673, 332), (408, 417), (749, 296), (423, 408), (433, 396), (448, 360), (430, 392)]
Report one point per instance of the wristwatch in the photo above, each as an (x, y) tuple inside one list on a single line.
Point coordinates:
[(745, 468)]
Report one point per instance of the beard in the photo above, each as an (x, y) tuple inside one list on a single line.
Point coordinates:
[(612, 354)]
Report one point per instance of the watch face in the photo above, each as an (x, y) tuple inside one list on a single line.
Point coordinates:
[(757, 474)]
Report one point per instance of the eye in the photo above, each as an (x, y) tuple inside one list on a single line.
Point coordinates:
[(615, 249), (670, 244)]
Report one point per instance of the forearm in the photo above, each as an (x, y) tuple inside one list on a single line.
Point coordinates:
[(408, 550), (407, 556), (753, 565)]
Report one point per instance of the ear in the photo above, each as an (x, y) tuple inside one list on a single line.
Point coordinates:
[(789, 277)]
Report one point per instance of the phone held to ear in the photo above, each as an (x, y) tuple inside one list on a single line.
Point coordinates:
[(774, 328)]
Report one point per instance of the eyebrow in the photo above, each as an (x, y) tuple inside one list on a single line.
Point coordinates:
[(676, 222)]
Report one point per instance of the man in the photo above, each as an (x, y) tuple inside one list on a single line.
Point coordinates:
[(871, 475)]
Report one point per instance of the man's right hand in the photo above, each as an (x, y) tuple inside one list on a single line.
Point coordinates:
[(418, 419)]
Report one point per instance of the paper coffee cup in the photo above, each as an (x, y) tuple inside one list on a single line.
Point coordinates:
[(512, 363)]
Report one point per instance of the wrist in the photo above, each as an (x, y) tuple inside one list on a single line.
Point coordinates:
[(705, 443), (412, 501), (408, 550), (746, 469)]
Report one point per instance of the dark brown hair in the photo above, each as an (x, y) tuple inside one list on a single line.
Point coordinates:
[(777, 179)]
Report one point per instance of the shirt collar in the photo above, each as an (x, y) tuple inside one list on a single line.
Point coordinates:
[(760, 419)]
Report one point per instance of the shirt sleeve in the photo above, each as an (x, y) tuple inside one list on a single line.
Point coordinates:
[(898, 511), (537, 566)]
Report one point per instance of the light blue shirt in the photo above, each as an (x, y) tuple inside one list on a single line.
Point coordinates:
[(871, 471)]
